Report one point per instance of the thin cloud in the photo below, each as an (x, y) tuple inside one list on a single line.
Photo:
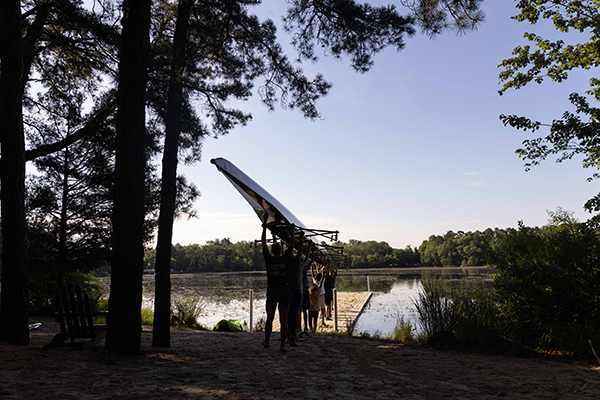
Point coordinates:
[(480, 183), (474, 221)]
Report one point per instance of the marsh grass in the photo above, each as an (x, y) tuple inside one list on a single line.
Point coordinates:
[(470, 319), (147, 316), (593, 349), (349, 329), (366, 335), (259, 326), (403, 332), (579, 338)]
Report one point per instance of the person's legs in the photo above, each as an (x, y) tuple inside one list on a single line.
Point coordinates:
[(305, 317), (323, 309), (299, 315), (328, 296), (269, 324), (313, 317), (283, 314), (305, 306), (292, 318)]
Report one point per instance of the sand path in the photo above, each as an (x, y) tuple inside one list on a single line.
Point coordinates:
[(209, 365)]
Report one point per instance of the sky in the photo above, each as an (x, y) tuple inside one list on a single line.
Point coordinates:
[(413, 148)]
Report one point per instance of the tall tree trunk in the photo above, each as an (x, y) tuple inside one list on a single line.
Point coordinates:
[(162, 299), (125, 302), (14, 322), (62, 230)]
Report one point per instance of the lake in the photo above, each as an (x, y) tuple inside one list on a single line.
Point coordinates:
[(227, 295)]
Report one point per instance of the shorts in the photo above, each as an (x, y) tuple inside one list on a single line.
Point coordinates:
[(279, 294)]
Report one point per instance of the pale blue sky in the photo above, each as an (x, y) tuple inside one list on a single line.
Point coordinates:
[(413, 148)]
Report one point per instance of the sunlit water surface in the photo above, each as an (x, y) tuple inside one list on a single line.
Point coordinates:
[(392, 300), (386, 309)]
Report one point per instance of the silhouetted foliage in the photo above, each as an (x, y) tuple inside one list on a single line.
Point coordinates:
[(545, 294), (575, 133), (548, 285)]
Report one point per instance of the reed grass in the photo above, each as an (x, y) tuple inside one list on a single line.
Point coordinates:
[(435, 308)]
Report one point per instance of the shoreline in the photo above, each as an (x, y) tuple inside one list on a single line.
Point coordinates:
[(341, 272)]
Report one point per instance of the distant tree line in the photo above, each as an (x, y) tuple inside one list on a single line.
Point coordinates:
[(453, 249), (459, 249), (373, 254), (219, 255)]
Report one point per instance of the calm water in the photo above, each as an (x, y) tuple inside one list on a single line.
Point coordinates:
[(226, 296), (393, 300), (385, 309)]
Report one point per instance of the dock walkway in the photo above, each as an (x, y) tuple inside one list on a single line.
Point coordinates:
[(350, 306)]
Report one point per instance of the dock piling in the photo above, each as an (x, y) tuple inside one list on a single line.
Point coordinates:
[(251, 302)]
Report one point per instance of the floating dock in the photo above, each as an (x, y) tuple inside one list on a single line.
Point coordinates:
[(350, 305)]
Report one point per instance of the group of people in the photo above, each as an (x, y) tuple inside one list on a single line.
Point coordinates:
[(289, 289)]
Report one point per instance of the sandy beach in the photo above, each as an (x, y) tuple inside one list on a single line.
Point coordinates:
[(215, 365)]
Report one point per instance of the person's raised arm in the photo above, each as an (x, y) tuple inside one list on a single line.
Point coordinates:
[(310, 250), (263, 240), (299, 255), (292, 233)]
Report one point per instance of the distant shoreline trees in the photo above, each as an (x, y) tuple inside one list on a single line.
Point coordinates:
[(459, 249), (453, 249)]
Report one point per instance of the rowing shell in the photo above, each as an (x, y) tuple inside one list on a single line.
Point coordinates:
[(268, 209)]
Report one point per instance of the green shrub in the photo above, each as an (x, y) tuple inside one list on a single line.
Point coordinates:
[(548, 286), (477, 322), (42, 290), (147, 316), (185, 312)]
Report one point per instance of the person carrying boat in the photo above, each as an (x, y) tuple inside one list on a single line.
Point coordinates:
[(295, 284), (316, 301), (305, 305), (279, 296), (329, 286)]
